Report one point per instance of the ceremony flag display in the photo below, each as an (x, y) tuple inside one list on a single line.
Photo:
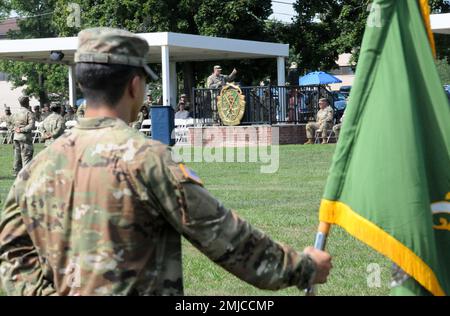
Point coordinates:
[(389, 184)]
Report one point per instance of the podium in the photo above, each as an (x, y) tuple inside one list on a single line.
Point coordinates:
[(163, 124)]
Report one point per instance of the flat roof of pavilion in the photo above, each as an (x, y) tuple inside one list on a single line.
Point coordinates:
[(182, 47), (440, 23)]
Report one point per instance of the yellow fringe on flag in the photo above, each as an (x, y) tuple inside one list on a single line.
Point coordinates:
[(335, 212), (425, 9)]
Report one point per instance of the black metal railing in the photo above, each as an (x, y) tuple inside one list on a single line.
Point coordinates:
[(265, 104)]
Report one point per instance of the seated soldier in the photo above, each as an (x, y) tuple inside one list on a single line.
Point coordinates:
[(45, 111), (142, 115), (337, 127), (182, 113), (81, 109), (37, 114), (323, 122), (70, 115), (183, 100)]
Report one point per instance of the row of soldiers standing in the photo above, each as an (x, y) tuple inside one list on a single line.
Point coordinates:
[(21, 125)]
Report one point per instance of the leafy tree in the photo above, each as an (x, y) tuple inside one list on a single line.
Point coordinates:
[(35, 22), (440, 6), (320, 31), (242, 19), (442, 40), (4, 9), (324, 29), (443, 68), (313, 34)]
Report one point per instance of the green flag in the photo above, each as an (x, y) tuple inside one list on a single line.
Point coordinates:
[(389, 184)]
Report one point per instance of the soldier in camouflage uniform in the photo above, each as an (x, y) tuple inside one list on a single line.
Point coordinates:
[(70, 115), (45, 112), (81, 110), (7, 119), (37, 114), (22, 124), (149, 102), (217, 81), (9, 125), (337, 127), (53, 126), (323, 123), (102, 210), (140, 119)]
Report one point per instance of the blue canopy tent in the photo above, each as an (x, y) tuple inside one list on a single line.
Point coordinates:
[(79, 102), (315, 84), (318, 78)]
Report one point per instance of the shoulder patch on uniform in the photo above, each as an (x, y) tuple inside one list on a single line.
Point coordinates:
[(190, 174)]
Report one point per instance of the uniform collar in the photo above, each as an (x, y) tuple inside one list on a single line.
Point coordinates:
[(97, 122)]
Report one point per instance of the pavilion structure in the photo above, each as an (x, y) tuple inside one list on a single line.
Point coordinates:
[(166, 48)]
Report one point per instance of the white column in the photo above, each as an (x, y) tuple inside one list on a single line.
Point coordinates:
[(72, 86), (281, 113), (173, 84), (165, 75), (281, 71)]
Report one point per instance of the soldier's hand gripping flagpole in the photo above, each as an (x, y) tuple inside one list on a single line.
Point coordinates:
[(319, 243)]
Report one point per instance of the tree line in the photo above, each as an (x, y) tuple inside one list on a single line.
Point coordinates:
[(319, 31)]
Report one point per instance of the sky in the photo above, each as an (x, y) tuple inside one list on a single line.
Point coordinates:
[(283, 11)]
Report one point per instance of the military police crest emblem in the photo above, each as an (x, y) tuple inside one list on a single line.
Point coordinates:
[(231, 105)]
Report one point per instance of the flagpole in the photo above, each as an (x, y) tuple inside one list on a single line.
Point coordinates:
[(321, 239)]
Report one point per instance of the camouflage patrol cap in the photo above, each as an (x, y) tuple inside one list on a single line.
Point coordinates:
[(54, 105), (24, 100), (113, 46)]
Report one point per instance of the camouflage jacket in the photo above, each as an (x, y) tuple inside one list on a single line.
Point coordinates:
[(148, 105), (70, 117), (44, 115), (37, 116), (216, 82), (81, 111), (8, 120), (102, 210), (23, 119), (137, 124), (52, 127), (325, 115)]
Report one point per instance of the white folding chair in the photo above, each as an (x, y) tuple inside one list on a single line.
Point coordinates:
[(318, 135), (70, 124), (36, 132), (182, 130), (190, 122), (3, 133), (146, 127), (331, 134), (184, 122), (3, 137)]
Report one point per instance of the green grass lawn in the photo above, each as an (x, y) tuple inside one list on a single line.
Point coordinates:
[(284, 205)]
